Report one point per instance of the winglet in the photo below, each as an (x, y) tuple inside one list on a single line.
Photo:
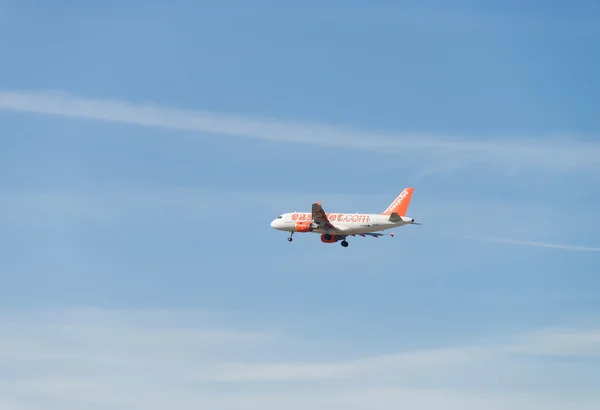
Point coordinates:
[(392, 234)]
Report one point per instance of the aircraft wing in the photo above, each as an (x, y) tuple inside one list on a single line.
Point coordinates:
[(373, 234), (320, 217)]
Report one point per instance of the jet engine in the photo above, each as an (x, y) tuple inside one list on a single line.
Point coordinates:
[(327, 238), (305, 226)]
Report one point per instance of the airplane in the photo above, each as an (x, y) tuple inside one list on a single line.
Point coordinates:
[(335, 227)]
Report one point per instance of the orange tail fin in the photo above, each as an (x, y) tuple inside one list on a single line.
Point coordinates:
[(400, 204)]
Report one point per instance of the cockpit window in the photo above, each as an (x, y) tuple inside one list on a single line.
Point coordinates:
[(280, 216)]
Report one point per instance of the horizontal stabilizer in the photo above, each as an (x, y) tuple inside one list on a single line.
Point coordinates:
[(394, 217)]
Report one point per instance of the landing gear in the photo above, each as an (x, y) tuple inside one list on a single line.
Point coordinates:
[(344, 244), (290, 237)]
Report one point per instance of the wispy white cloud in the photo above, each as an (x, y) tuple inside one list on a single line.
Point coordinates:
[(563, 247), (414, 398), (576, 342), (400, 366), (112, 359), (549, 153)]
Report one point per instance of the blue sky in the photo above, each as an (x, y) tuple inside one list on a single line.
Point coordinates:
[(146, 146)]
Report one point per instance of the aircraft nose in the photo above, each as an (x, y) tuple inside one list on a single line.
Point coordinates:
[(273, 223)]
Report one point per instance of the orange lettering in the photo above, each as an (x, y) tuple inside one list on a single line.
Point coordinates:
[(294, 217)]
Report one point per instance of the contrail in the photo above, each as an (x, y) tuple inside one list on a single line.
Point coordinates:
[(554, 155), (532, 243)]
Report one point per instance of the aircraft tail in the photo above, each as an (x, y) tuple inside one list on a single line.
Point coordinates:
[(400, 204)]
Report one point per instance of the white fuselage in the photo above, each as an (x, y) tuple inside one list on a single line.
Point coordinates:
[(345, 224)]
